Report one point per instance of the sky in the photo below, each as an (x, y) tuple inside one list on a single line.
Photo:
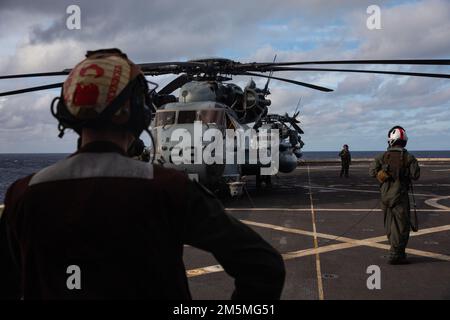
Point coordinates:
[(359, 112)]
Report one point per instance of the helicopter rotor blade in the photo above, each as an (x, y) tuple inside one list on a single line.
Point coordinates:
[(304, 84), (298, 106), (266, 87), (401, 73), (435, 62), (148, 68), (31, 89), (160, 68), (173, 63), (297, 128), (40, 74), (175, 84)]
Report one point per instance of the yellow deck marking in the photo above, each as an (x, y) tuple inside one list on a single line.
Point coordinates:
[(289, 230), (365, 242), (346, 243), (316, 245)]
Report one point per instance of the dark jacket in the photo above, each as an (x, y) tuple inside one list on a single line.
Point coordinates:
[(124, 223), (346, 157)]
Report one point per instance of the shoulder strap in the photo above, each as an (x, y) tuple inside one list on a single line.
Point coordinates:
[(386, 156), (406, 158)]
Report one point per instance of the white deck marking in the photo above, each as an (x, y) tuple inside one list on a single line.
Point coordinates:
[(376, 185), (322, 209), (346, 243), (416, 252), (434, 202), (316, 245), (363, 191), (343, 239), (331, 167)]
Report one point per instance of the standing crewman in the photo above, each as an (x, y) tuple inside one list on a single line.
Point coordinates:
[(394, 169), (101, 225), (346, 160)]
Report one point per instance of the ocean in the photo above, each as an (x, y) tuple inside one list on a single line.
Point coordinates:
[(15, 166), (324, 155)]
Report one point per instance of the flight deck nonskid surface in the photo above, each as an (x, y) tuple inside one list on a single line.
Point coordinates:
[(348, 224)]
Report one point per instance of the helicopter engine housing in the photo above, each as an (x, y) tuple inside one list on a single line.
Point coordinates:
[(288, 161)]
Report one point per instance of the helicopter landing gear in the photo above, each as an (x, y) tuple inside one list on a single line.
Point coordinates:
[(263, 181)]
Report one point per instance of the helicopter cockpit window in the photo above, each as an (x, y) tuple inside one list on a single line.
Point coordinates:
[(165, 118), (211, 116), (187, 116)]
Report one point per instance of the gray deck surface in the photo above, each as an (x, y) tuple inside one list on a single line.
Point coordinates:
[(346, 211)]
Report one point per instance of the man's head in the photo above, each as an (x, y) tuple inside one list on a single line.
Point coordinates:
[(104, 95), (345, 146), (397, 137)]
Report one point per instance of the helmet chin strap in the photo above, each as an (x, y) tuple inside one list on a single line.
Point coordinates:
[(131, 141), (137, 147)]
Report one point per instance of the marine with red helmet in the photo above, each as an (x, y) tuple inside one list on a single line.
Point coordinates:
[(394, 169), (122, 222)]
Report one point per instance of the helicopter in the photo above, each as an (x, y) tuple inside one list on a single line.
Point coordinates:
[(291, 142), (208, 101), (219, 105)]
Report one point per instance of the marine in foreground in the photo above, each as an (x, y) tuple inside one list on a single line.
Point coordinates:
[(101, 225)]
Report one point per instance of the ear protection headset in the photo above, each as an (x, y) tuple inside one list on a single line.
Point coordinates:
[(136, 93)]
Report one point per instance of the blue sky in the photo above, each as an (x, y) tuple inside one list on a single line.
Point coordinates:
[(359, 112)]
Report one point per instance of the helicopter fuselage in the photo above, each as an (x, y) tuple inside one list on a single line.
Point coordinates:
[(179, 121), (182, 133)]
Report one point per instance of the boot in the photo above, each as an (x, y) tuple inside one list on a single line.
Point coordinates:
[(398, 259)]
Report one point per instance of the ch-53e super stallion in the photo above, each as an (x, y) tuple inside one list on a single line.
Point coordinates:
[(208, 101)]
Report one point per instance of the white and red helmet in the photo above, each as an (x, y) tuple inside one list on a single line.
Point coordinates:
[(105, 90), (397, 136)]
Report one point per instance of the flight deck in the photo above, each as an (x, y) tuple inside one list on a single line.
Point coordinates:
[(331, 235), (330, 231)]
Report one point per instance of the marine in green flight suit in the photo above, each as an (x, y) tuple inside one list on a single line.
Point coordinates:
[(346, 160), (395, 169)]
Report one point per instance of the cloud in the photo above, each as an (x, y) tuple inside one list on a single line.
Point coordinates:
[(410, 30), (359, 85), (26, 125), (358, 112)]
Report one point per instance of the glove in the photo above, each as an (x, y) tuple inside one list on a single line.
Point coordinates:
[(382, 176)]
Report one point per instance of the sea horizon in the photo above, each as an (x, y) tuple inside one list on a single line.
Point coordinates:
[(309, 151), (16, 165)]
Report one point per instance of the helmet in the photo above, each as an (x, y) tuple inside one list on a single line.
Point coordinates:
[(105, 90), (397, 136)]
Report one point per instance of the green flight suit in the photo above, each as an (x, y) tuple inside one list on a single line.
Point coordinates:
[(346, 161), (394, 195)]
